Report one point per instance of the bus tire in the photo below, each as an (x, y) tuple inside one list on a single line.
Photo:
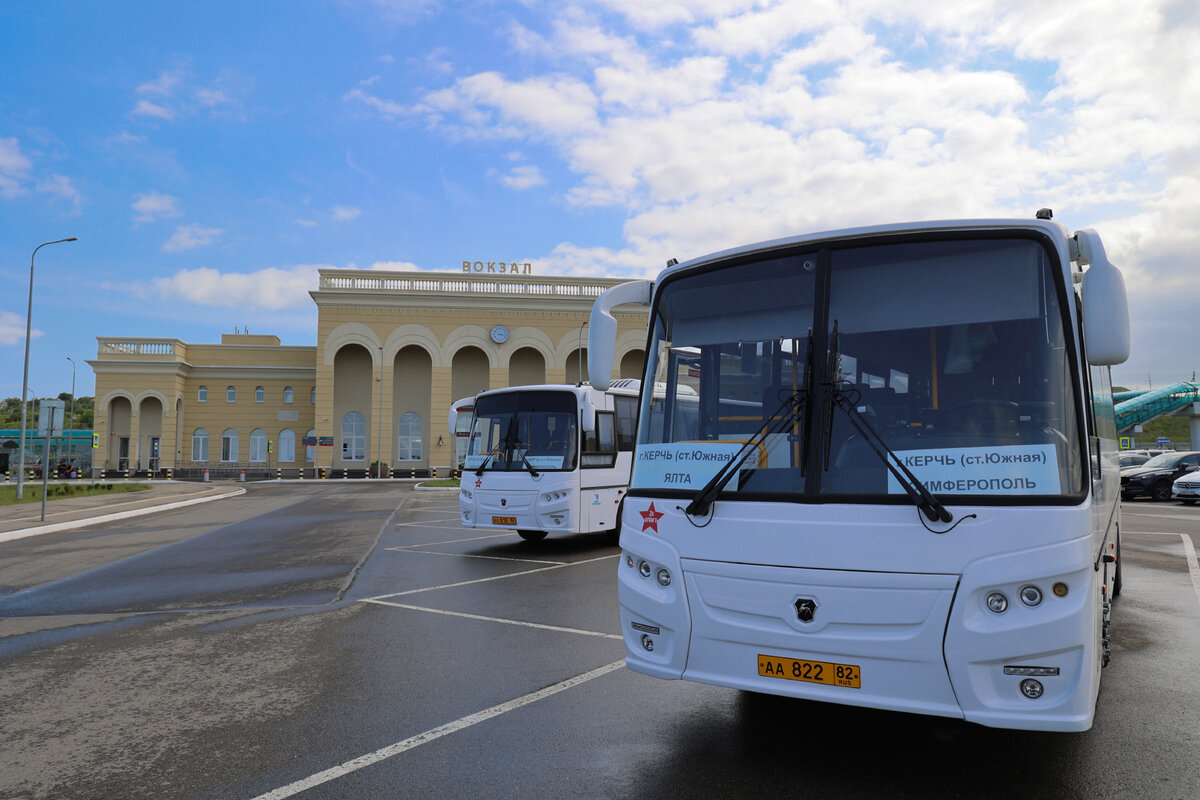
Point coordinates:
[(614, 536), (532, 536)]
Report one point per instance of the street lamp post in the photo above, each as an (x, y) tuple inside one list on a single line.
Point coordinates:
[(71, 434), (25, 376)]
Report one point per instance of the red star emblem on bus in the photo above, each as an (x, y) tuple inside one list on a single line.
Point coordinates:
[(650, 518), (478, 482)]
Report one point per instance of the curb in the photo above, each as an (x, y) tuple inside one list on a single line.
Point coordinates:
[(136, 512)]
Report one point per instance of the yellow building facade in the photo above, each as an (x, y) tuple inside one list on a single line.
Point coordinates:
[(394, 350)]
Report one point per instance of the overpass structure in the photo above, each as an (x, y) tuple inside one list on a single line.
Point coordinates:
[(1136, 408)]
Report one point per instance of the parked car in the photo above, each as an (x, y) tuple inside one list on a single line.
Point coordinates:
[(1156, 476), (1131, 459), (1187, 488)]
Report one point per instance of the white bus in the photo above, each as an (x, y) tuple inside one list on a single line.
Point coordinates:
[(922, 513), (548, 459)]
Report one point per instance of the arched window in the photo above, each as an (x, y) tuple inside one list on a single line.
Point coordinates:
[(354, 437), (260, 394), (200, 445), (409, 437), (287, 394), (230, 394), (258, 446), (310, 450), (287, 445), (202, 394), (229, 445)]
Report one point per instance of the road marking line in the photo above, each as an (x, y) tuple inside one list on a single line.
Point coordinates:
[(432, 734), (424, 523), (521, 623), (456, 541), (493, 578), (1189, 551), (470, 555)]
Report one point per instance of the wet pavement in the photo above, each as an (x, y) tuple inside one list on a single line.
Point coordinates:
[(352, 641)]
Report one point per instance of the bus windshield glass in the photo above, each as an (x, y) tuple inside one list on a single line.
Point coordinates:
[(524, 431), (951, 351)]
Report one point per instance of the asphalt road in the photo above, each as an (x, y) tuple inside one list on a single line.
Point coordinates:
[(352, 641)]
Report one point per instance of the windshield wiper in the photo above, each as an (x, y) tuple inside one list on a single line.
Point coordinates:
[(917, 491), (495, 451), (532, 472), (775, 423)]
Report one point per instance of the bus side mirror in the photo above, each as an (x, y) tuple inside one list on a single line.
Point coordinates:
[(1105, 307), (602, 329)]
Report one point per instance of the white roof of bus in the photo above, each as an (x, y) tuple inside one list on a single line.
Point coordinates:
[(1051, 227)]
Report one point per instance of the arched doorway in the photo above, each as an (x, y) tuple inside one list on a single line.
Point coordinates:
[(526, 367), (412, 388), (353, 382), (469, 373), (632, 363)]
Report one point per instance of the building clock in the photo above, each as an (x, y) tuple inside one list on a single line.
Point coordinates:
[(499, 334)]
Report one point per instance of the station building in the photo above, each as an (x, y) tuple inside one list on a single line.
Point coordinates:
[(394, 350)]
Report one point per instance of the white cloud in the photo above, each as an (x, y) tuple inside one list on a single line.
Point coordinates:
[(385, 107), (162, 86), (212, 97), (14, 168), (12, 328), (61, 186), (395, 266), (145, 108), (345, 213), (153, 206), (189, 237), (270, 288), (307, 223), (526, 176)]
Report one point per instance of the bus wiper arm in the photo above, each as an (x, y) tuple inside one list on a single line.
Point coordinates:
[(775, 423), (495, 451), (917, 491), (532, 472)]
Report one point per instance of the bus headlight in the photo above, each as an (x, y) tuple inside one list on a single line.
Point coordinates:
[(997, 602), (663, 577), (644, 569)]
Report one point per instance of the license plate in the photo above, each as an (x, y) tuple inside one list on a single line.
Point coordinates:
[(504, 520), (797, 669)]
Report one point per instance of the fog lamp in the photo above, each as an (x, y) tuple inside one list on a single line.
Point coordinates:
[(648, 643), (1060, 589), (1029, 687), (664, 577), (997, 602), (1031, 595)]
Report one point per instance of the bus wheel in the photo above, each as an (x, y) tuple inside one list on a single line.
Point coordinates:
[(614, 536), (532, 536)]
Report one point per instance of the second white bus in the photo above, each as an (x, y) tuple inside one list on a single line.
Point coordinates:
[(548, 459)]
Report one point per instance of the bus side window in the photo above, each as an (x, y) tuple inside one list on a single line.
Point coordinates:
[(600, 446), (626, 422)]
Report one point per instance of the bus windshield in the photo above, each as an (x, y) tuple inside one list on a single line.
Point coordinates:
[(524, 431), (952, 352)]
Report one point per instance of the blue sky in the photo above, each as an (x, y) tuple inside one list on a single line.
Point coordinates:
[(210, 157)]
